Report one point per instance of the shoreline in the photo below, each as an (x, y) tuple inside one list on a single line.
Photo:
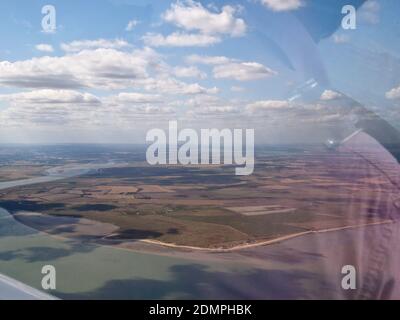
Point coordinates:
[(261, 243), (132, 245), (182, 248)]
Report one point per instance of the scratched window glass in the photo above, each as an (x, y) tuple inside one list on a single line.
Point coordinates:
[(199, 149)]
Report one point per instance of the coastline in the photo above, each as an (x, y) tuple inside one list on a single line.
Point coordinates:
[(157, 247), (262, 243)]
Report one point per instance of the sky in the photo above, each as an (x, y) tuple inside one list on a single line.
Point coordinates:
[(114, 69)]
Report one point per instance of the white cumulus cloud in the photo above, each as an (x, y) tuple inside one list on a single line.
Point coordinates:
[(131, 25), (330, 95), (192, 16), (267, 105), (242, 71), (44, 47), (180, 39), (49, 96), (282, 5), (101, 68), (393, 93), (76, 46), (189, 72), (226, 68), (133, 97), (209, 60)]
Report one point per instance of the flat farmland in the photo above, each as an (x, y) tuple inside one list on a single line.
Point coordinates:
[(205, 207)]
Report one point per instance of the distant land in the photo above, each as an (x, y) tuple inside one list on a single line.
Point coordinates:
[(294, 190)]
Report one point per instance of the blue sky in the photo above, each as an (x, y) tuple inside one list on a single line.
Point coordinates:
[(113, 69)]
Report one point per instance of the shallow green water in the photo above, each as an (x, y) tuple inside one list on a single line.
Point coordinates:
[(92, 271)]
